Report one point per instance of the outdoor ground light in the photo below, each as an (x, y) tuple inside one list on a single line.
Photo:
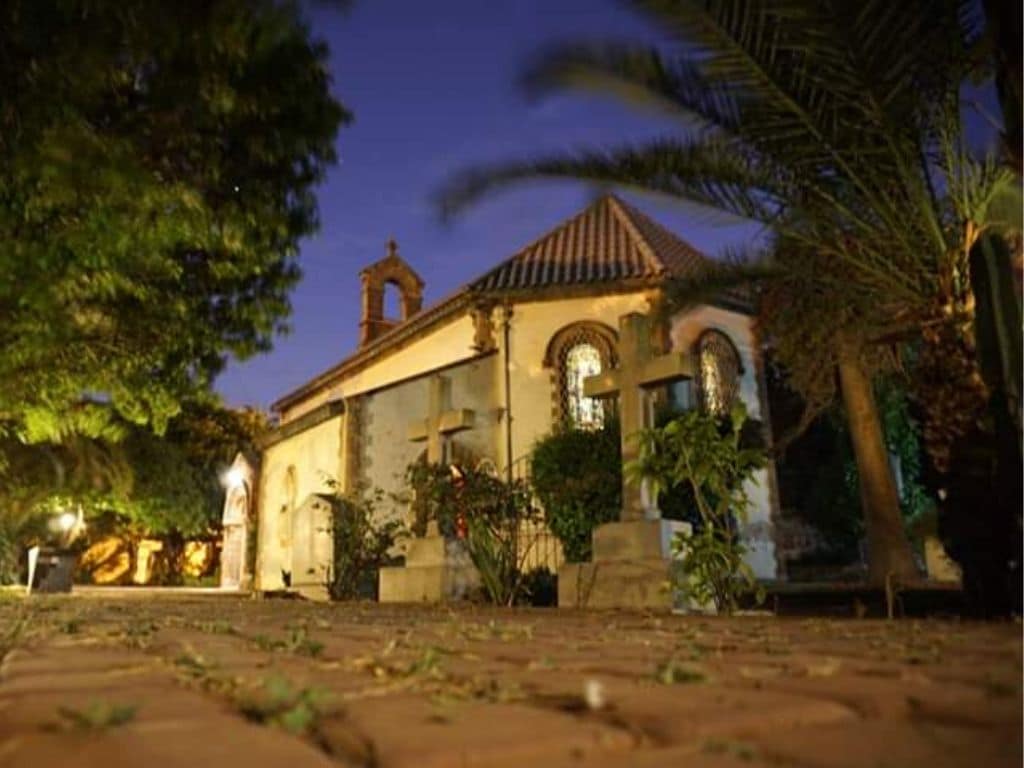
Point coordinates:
[(67, 521), (68, 524)]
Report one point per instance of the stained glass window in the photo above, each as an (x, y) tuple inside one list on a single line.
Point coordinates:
[(576, 351), (582, 360), (720, 371)]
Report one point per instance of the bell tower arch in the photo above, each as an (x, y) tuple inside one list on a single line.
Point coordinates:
[(391, 270)]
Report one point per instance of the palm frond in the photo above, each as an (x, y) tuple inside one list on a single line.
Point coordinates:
[(816, 84), (703, 170), (639, 76), (737, 276)]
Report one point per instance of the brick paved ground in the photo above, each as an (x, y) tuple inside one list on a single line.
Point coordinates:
[(193, 681)]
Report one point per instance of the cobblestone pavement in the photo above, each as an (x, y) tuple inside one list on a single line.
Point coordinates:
[(201, 681)]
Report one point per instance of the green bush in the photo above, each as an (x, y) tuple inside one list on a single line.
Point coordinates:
[(361, 546), (577, 476), (709, 456), (487, 512)]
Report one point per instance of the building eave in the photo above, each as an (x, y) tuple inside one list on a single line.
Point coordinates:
[(306, 421), (392, 339)]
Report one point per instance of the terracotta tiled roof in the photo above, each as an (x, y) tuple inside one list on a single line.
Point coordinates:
[(609, 241)]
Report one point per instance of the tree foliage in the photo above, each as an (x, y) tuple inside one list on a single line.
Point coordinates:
[(141, 485), (157, 166), (177, 479), (818, 477)]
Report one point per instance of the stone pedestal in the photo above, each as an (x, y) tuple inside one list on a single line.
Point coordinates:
[(631, 568), (436, 570)]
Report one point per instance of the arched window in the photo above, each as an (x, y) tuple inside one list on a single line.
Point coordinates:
[(575, 353), (720, 371)]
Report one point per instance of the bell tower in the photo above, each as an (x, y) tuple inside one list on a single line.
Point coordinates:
[(391, 270)]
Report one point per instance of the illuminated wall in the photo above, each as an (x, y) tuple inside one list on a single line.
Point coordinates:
[(292, 470)]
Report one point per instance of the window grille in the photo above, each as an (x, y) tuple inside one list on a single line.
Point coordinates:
[(578, 352), (720, 371)]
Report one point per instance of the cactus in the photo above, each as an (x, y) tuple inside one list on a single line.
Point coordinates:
[(998, 326), (980, 521)]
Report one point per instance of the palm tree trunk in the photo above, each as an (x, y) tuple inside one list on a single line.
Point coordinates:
[(888, 548)]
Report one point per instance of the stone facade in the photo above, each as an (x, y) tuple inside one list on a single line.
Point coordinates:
[(385, 450)]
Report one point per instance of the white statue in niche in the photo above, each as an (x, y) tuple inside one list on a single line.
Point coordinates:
[(238, 481)]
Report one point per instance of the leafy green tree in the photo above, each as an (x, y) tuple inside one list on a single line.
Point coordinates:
[(143, 485), (157, 167), (39, 480), (818, 478), (177, 491), (837, 125)]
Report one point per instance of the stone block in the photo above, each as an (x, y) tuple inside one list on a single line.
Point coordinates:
[(427, 583), (616, 584), (436, 570), (430, 550), (632, 568), (436, 550), (636, 539)]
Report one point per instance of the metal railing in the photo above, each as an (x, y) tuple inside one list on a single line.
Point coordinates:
[(538, 546)]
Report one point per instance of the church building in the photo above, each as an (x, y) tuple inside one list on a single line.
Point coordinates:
[(484, 373)]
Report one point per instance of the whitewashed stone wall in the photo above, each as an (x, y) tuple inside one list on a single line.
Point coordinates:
[(291, 471), (385, 450)]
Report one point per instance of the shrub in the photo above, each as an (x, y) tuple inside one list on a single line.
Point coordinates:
[(710, 457), (361, 546), (433, 497), (487, 512), (577, 476)]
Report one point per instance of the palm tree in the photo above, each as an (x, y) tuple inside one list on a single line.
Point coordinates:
[(836, 125)]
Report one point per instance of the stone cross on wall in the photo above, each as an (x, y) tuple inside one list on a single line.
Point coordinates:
[(639, 368), (442, 421)]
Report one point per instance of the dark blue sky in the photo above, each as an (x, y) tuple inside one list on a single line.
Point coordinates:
[(433, 86)]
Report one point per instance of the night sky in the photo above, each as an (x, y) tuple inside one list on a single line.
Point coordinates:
[(434, 88)]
